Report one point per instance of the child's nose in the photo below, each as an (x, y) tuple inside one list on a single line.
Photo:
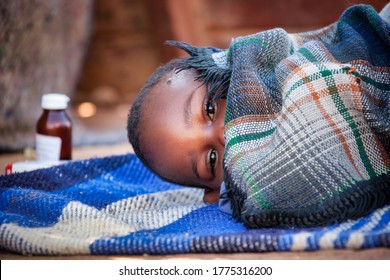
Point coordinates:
[(213, 133), (221, 133), (218, 132)]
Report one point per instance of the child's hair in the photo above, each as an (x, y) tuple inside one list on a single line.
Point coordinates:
[(216, 80)]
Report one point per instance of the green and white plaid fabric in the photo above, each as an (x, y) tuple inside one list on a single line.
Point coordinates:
[(307, 123)]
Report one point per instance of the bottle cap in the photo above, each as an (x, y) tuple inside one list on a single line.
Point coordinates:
[(55, 101)]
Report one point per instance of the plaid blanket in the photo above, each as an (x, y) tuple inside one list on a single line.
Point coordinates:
[(307, 122), (114, 205)]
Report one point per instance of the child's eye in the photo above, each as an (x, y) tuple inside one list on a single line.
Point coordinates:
[(210, 109), (211, 161)]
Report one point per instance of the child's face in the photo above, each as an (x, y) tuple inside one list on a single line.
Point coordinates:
[(183, 139)]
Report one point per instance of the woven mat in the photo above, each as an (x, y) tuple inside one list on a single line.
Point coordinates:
[(114, 205)]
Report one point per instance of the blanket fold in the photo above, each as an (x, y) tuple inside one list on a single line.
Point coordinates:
[(307, 123)]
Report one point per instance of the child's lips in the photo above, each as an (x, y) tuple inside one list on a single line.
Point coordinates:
[(208, 190)]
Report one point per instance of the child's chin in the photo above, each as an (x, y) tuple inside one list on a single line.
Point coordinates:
[(211, 196)]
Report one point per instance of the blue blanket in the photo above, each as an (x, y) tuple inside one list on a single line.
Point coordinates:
[(114, 205)]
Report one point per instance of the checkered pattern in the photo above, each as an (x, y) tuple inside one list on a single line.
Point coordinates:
[(307, 123)]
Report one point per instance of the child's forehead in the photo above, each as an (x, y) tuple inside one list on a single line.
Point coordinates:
[(179, 75), (175, 81), (172, 85)]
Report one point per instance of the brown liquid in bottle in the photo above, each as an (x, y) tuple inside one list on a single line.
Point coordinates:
[(54, 129), (57, 123)]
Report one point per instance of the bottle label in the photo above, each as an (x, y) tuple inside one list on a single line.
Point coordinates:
[(48, 147)]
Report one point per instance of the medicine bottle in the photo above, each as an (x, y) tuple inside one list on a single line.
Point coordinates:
[(54, 129)]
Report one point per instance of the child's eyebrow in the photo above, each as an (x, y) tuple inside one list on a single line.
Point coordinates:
[(187, 110)]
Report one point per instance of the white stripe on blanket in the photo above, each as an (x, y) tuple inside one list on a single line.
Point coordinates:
[(79, 225)]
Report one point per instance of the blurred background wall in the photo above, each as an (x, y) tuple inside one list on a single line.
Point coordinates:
[(126, 44), (128, 38), (42, 46)]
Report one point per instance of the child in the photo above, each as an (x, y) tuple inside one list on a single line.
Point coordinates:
[(295, 125), (185, 143)]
